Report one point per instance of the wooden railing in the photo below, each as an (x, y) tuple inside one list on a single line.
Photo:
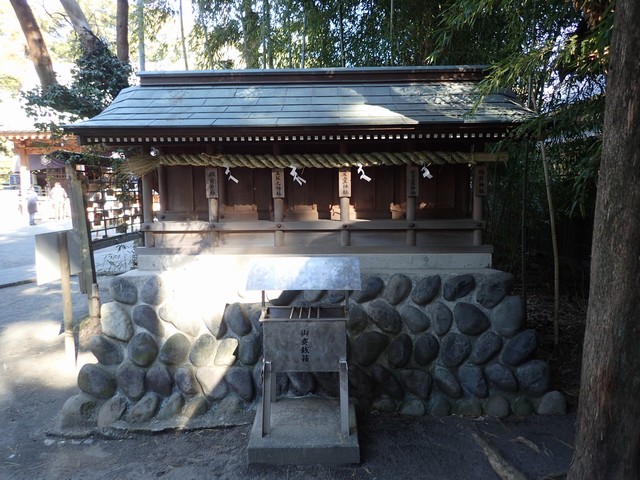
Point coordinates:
[(385, 233)]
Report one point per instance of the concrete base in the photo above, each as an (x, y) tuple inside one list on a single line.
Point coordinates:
[(304, 431)]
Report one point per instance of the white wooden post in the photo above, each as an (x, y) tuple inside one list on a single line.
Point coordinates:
[(344, 192), (479, 192), (277, 192), (412, 194)]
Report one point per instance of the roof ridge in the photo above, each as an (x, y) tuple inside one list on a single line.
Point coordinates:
[(341, 75)]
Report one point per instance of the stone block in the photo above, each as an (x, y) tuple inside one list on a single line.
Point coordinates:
[(501, 377), (144, 409), (96, 381), (485, 348), (469, 319), (185, 379), (357, 320), (447, 383), (387, 382), (426, 289), (426, 349), (154, 291), (368, 346), (226, 353), (507, 318), (111, 411), (241, 382), (142, 349), (454, 349), (418, 382), (77, 411), (441, 318), (145, 316), (416, 319), (398, 288), (371, 287), (211, 380), (493, 288), (123, 290), (399, 351), (552, 403), (497, 406), (236, 319), (130, 380), (472, 381), (159, 380), (520, 348), (115, 321), (106, 351), (175, 349), (458, 286), (203, 351), (385, 316)]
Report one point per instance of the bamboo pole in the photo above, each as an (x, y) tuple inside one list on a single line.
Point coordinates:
[(554, 244)]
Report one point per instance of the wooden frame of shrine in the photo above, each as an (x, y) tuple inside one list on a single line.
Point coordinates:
[(320, 161)]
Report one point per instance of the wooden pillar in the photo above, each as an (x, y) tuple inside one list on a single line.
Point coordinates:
[(212, 176), (147, 208), (87, 278), (71, 353), (277, 192), (412, 194), (83, 229), (212, 182), (25, 177), (163, 192), (344, 189), (479, 192)]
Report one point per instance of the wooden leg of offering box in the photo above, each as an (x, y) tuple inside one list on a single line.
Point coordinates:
[(268, 389), (344, 397)]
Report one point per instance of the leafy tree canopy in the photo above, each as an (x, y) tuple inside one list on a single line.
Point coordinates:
[(96, 78)]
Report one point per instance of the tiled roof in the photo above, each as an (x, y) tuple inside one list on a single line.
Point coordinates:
[(378, 97)]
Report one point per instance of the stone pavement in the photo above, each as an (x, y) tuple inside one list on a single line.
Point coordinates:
[(17, 245)]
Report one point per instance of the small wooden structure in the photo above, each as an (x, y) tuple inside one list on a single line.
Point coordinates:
[(109, 209), (384, 165), (371, 160), (32, 147)]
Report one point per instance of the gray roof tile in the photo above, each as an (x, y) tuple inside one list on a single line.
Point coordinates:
[(237, 104)]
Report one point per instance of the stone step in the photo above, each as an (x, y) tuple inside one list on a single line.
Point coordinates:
[(304, 431)]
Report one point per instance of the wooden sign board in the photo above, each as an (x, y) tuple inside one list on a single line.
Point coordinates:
[(277, 182), (211, 179), (48, 256), (344, 182), (480, 181), (412, 181)]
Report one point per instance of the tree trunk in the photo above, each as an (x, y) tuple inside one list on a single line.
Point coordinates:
[(81, 26), (183, 40), (122, 31), (251, 35), (37, 48), (608, 430)]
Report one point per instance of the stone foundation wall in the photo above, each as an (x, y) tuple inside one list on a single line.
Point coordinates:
[(444, 343)]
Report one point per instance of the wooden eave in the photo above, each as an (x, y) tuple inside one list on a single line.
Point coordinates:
[(39, 142), (190, 136)]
